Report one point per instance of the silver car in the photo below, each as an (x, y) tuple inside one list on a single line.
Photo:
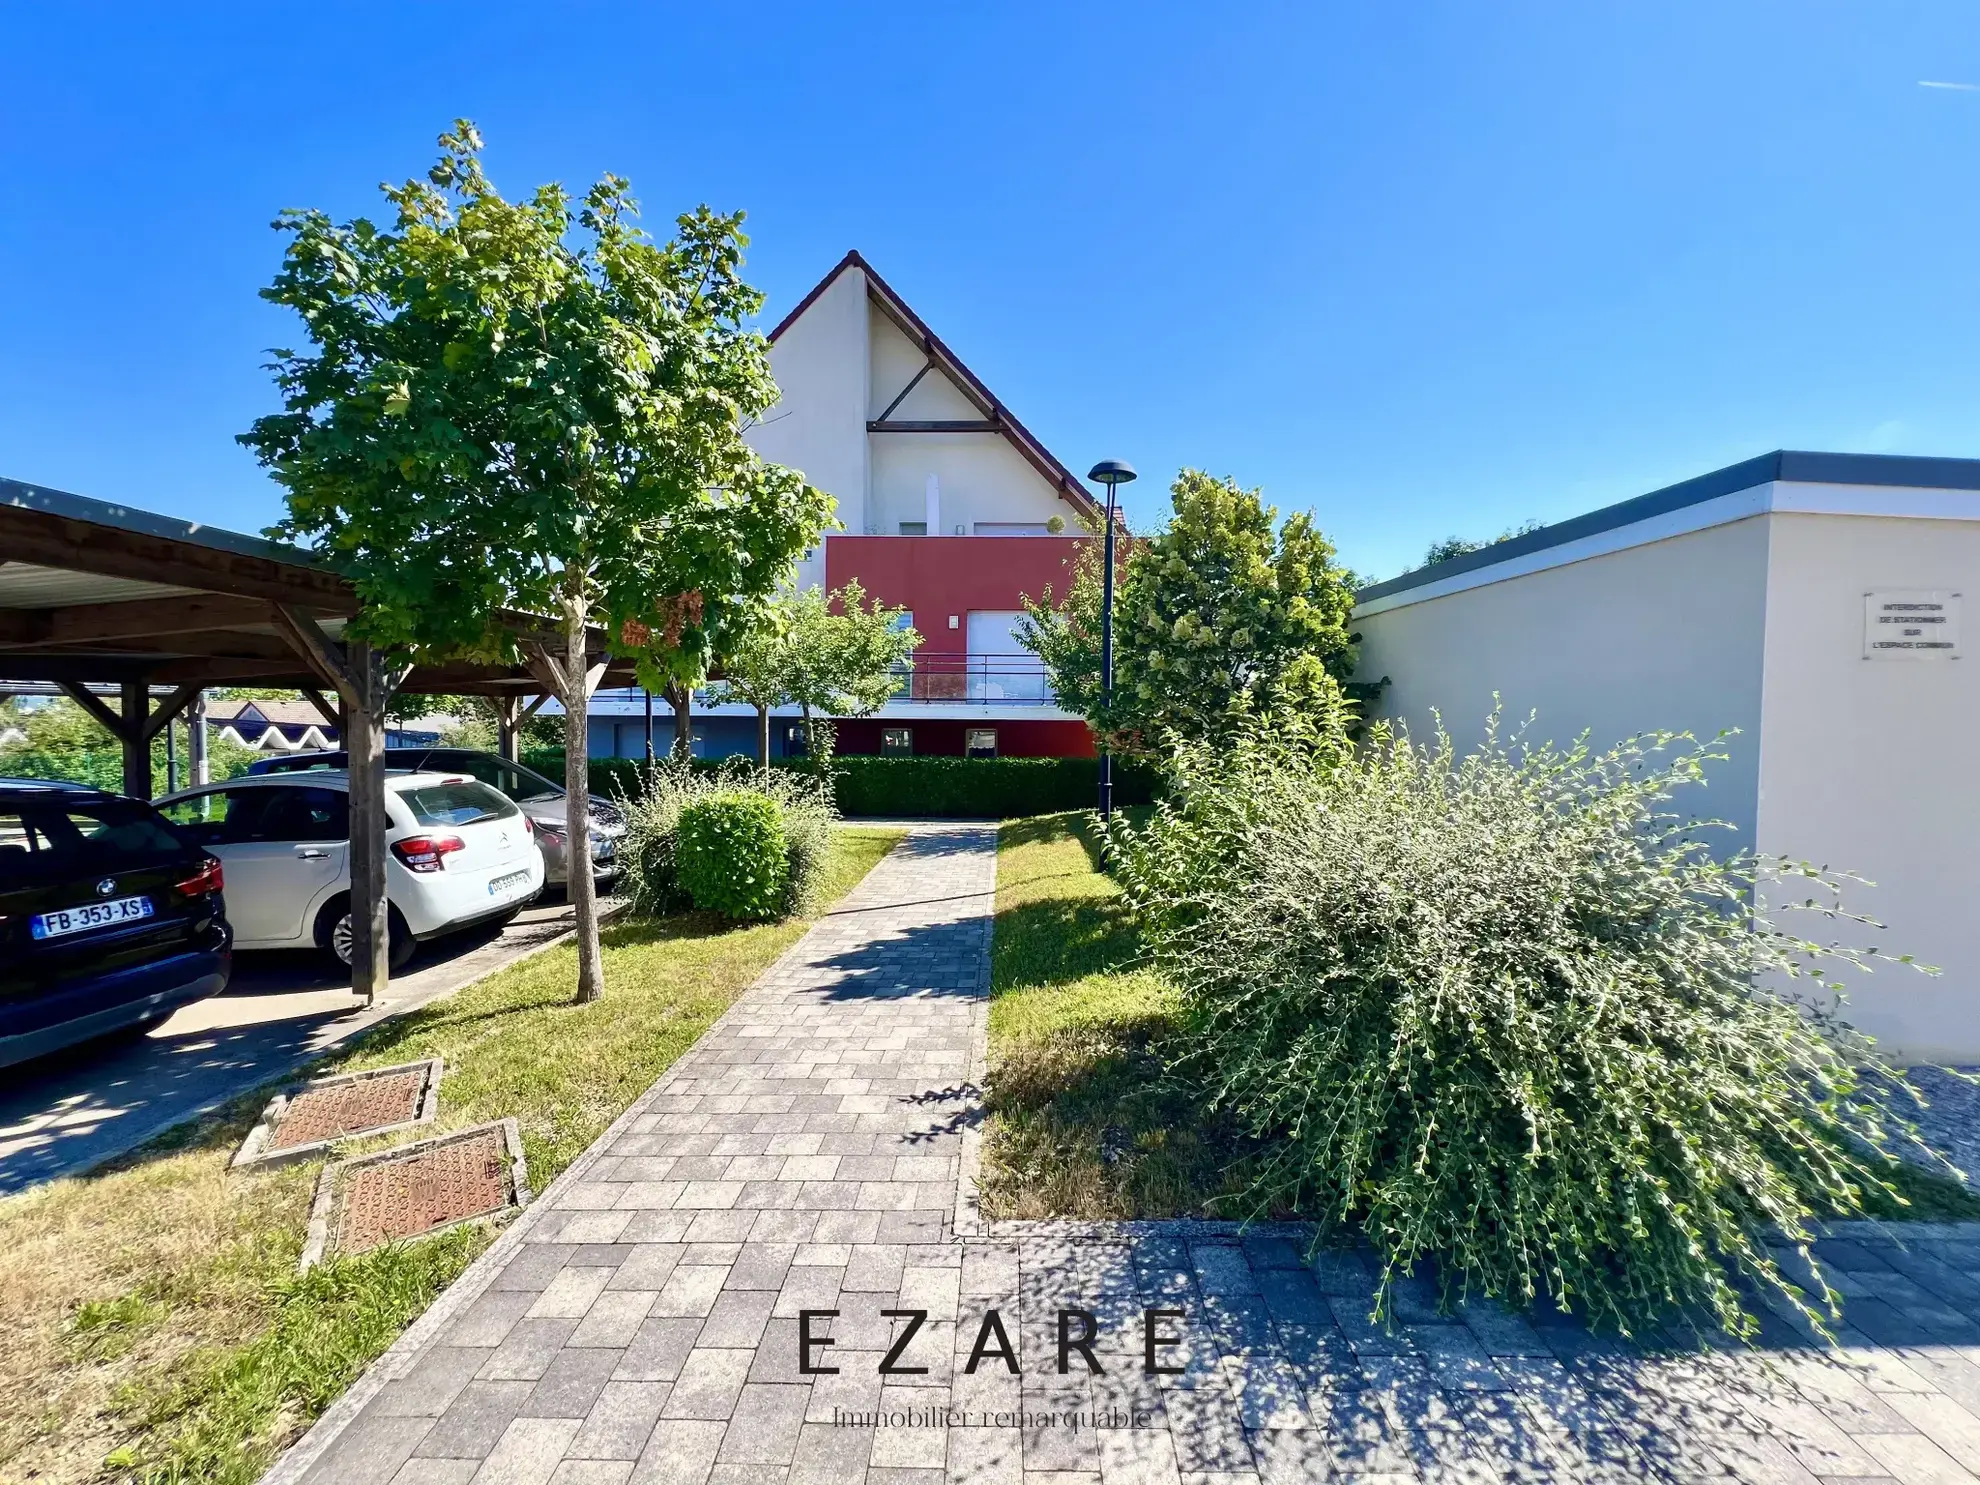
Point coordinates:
[(541, 801)]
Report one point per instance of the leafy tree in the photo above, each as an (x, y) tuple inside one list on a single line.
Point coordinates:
[(59, 740), (1224, 613), (532, 405), (833, 652), (1459, 546)]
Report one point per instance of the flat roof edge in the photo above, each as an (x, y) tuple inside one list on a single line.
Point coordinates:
[(1790, 465)]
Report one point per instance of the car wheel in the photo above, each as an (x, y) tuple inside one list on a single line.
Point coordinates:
[(333, 932)]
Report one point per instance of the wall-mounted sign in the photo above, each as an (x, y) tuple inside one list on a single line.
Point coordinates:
[(1910, 625)]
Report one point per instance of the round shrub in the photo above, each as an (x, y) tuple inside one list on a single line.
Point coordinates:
[(648, 851), (1507, 1013), (731, 857)]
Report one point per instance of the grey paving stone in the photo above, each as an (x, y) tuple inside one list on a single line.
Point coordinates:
[(680, 1452), (709, 1384), (620, 1421), (474, 1421), (765, 1424), (828, 1455), (437, 1472), (370, 1451), (571, 1383), (528, 1452), (435, 1380), (738, 1318), (530, 1347)]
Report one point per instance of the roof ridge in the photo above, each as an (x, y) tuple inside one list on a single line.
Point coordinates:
[(1063, 481)]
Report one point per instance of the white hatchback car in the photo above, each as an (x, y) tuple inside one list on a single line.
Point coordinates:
[(458, 854)]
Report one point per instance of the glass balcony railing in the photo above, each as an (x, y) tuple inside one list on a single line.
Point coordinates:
[(1002, 679)]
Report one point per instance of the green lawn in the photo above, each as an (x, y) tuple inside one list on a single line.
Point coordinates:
[(1089, 1114), (1085, 1119), (152, 1326)]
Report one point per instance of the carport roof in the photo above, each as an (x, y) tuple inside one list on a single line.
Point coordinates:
[(92, 590)]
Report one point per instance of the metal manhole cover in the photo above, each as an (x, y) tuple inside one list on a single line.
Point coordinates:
[(417, 1189), (310, 1119)]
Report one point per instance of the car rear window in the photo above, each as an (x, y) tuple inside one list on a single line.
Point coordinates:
[(457, 802), (41, 840)]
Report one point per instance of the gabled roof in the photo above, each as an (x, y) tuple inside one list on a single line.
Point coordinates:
[(916, 329)]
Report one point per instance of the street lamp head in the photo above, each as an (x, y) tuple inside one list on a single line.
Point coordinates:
[(1111, 472)]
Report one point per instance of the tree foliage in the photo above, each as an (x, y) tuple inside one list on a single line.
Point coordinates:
[(834, 652), (59, 740), (1459, 546), (532, 405), (1224, 613)]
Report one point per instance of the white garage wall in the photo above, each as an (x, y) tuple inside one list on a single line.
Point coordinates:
[(1663, 636), (1868, 765)]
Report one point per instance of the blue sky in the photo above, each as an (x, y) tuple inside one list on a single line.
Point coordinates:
[(1425, 269)]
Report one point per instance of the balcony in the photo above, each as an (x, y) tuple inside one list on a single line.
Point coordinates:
[(1002, 680)]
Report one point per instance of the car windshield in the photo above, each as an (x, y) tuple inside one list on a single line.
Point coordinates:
[(521, 784), (456, 802), (45, 839)]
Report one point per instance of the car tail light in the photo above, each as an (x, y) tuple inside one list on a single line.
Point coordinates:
[(209, 878), (426, 852)]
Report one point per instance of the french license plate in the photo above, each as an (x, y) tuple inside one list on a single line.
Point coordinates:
[(508, 883), (89, 915)]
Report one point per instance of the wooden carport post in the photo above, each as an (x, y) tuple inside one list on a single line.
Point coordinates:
[(135, 725), (364, 683), (510, 714)]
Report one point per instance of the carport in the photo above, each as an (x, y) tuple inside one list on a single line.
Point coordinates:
[(94, 594)]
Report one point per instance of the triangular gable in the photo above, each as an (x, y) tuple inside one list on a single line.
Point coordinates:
[(955, 376)]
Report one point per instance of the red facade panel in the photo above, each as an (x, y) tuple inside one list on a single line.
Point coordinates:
[(937, 578)]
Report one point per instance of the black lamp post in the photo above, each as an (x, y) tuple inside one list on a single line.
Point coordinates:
[(1109, 472)]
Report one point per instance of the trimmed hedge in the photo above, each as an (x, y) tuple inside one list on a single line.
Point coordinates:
[(943, 788), (982, 788)]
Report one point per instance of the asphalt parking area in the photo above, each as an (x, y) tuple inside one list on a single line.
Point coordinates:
[(63, 1114)]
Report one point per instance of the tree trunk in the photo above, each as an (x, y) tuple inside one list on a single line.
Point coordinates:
[(363, 737), (763, 737), (681, 698), (581, 889)]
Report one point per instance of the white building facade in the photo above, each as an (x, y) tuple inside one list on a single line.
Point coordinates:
[(1813, 602)]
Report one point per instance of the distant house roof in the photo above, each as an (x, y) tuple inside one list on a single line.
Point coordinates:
[(916, 329), (281, 713)]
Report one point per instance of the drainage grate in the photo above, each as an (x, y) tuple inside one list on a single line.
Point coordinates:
[(310, 1119), (417, 1189)]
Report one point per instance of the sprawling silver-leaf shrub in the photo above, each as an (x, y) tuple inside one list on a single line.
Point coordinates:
[(653, 824), (1508, 1013)]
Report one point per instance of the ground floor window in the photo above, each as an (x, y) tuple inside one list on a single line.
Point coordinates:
[(980, 742), (897, 742), (796, 744)]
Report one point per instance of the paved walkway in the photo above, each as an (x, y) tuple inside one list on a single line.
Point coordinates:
[(642, 1322)]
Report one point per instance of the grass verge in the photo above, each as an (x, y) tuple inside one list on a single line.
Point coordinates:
[(1088, 1116), (152, 1325), (1085, 1117)]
